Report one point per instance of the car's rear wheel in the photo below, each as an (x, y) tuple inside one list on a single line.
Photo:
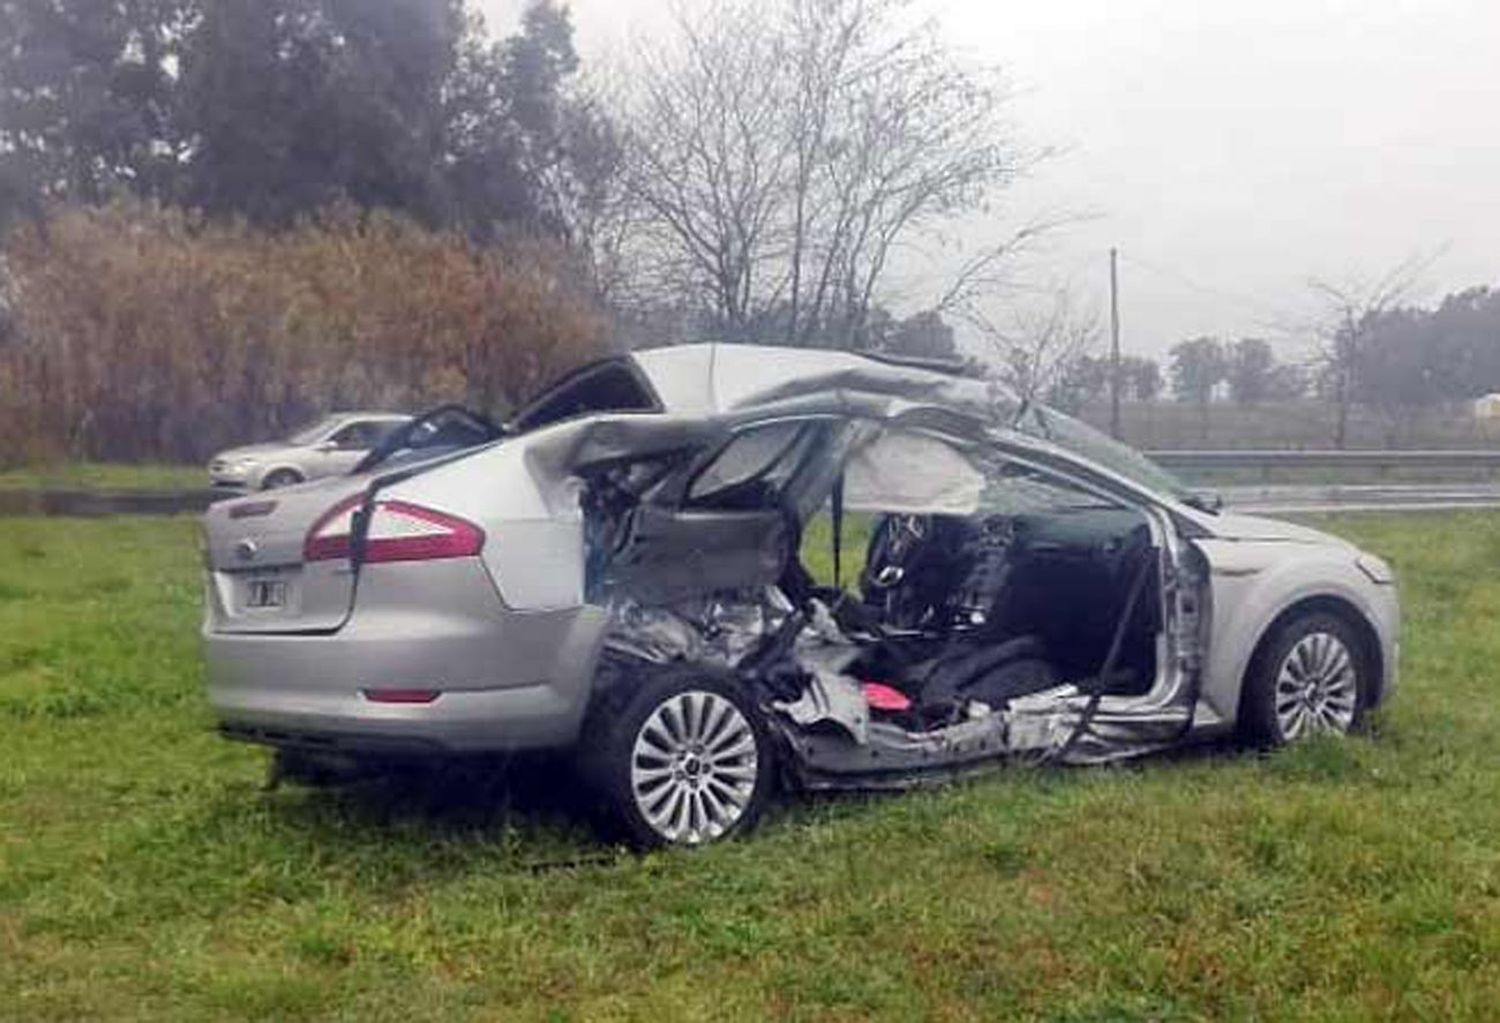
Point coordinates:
[(683, 759), (1311, 677), (281, 478)]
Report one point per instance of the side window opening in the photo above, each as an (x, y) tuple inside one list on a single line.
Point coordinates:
[(964, 550), (753, 469), (355, 437), (380, 431)]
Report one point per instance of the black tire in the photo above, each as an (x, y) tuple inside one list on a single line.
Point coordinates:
[(281, 478), (718, 769), (1278, 707)]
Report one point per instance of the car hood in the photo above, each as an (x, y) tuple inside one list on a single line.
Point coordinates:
[(1255, 529), (252, 451)]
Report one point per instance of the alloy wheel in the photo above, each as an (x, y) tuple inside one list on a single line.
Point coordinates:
[(1317, 687), (694, 767)]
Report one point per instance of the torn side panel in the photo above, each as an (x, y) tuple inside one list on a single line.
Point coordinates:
[(721, 629)]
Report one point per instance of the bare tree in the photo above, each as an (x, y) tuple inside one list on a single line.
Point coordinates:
[(1352, 308), (1039, 347), (706, 156), (784, 150)]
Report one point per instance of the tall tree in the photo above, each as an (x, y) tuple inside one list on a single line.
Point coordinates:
[(782, 150), (1080, 383), (1199, 366), (1141, 377), (273, 109), (925, 335), (1399, 372), (1251, 370), (88, 98), (524, 145), (296, 104), (1351, 310), (1040, 350)]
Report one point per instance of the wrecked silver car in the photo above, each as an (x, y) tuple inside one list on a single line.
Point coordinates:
[(623, 575)]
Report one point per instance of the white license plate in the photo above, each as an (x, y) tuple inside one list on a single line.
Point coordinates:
[(265, 594)]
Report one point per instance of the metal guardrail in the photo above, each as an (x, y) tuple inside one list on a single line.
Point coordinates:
[(1482, 460)]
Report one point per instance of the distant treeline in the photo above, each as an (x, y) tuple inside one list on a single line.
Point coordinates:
[(147, 334), (1399, 362), (224, 215), (273, 110)]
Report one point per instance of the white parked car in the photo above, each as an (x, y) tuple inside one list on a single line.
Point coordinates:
[(333, 446)]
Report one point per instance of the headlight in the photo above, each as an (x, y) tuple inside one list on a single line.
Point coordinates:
[(1375, 569)]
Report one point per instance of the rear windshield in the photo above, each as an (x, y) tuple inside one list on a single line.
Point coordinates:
[(613, 386)]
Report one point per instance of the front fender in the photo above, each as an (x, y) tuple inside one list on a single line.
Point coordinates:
[(1254, 583), (257, 479)]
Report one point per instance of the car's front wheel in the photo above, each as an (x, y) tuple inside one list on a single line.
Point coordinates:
[(282, 478), (1310, 677), (683, 759)]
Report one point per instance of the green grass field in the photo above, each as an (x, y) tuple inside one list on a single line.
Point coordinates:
[(104, 476), (144, 874)]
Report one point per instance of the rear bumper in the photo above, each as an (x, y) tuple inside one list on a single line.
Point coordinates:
[(543, 716), (508, 680)]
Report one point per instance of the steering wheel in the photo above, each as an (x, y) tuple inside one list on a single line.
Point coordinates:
[(904, 537)]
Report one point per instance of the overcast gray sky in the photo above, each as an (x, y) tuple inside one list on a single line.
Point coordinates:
[(1232, 149)]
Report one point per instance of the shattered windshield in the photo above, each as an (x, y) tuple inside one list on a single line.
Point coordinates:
[(1012, 489), (1080, 438)]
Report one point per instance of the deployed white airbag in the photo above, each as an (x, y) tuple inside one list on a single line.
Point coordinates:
[(909, 473)]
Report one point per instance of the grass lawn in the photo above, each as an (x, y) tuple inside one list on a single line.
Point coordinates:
[(104, 476), (145, 875)]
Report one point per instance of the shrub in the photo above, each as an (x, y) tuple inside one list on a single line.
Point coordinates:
[(142, 333)]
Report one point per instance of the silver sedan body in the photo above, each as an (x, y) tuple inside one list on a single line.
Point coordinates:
[(333, 446), (484, 601)]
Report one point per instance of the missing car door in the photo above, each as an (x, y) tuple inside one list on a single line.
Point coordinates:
[(724, 520)]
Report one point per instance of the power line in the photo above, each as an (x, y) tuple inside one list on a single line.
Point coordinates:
[(1268, 315)]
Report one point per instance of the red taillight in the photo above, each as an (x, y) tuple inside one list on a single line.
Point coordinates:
[(398, 531), (403, 696), (332, 534)]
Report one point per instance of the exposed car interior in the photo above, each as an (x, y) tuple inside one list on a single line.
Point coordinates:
[(982, 581), (1057, 581)]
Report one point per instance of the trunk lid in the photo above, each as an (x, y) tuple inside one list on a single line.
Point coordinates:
[(258, 581)]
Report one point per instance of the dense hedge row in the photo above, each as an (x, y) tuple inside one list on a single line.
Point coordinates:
[(141, 333)]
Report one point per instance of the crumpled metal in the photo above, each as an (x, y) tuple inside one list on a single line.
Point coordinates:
[(719, 629)]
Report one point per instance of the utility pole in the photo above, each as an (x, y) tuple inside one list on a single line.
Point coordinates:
[(1114, 343)]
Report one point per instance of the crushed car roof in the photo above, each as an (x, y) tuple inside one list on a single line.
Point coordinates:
[(722, 379)]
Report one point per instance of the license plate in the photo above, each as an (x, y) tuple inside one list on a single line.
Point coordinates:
[(263, 594)]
